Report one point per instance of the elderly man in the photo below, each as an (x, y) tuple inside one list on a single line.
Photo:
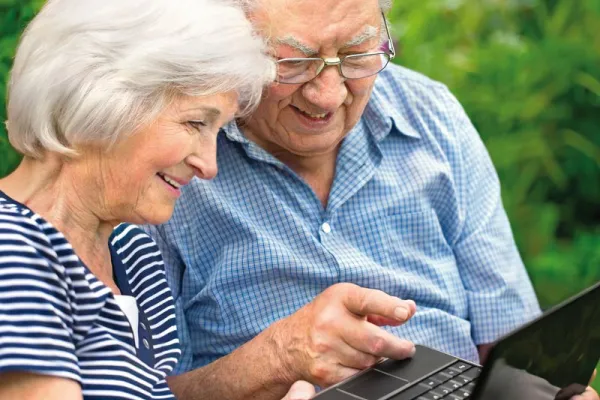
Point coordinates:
[(354, 181)]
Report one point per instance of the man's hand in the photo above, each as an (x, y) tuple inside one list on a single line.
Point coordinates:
[(339, 333), (300, 390)]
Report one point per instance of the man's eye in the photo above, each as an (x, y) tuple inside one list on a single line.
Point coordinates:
[(197, 124)]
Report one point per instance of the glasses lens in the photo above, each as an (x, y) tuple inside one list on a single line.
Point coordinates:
[(363, 65), (298, 70)]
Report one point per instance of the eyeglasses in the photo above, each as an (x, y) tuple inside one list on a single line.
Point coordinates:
[(353, 66)]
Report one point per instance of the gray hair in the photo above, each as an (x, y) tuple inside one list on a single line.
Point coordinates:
[(93, 71), (248, 5)]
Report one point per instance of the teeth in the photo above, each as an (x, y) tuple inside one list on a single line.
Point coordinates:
[(170, 181), (320, 116)]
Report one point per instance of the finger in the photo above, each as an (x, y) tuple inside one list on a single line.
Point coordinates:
[(300, 390), (370, 339), (363, 302), (589, 394), (383, 321)]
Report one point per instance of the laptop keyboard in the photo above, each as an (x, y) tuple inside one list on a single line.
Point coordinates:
[(389, 380), (456, 382)]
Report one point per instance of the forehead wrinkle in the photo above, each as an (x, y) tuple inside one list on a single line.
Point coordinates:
[(368, 33), (291, 41)]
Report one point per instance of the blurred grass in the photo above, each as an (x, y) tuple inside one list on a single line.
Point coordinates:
[(528, 74)]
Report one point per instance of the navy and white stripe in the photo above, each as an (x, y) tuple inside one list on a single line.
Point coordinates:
[(57, 318)]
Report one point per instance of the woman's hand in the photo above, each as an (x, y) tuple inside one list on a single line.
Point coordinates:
[(589, 394), (302, 390)]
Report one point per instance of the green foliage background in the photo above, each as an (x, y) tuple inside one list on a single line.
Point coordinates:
[(528, 74)]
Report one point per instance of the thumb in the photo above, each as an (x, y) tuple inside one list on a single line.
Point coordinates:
[(300, 390)]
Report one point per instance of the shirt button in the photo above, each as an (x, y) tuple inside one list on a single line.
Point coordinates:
[(143, 326), (146, 344), (326, 227)]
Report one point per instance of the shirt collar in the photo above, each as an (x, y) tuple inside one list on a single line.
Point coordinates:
[(381, 114), (234, 133)]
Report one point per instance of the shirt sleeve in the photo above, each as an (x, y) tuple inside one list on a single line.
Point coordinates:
[(174, 269), (499, 291), (36, 323)]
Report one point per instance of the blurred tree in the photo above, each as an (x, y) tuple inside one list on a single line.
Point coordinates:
[(14, 16), (527, 73)]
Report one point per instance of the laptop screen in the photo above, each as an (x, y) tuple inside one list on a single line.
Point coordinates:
[(550, 358)]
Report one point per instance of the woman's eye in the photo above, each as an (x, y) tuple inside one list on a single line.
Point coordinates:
[(197, 125)]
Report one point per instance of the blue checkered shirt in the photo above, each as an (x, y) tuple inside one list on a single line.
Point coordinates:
[(414, 210)]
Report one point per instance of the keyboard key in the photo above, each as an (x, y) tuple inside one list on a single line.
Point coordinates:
[(411, 393), (451, 372), (431, 382), (462, 379), (444, 389), (437, 392), (441, 377), (460, 367), (453, 384), (457, 396), (431, 396), (472, 373), (469, 387)]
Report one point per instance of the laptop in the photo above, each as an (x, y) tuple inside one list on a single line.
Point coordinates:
[(552, 357)]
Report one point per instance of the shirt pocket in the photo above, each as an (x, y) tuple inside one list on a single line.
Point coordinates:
[(416, 239)]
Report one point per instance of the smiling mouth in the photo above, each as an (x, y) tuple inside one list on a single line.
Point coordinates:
[(314, 117), (169, 181)]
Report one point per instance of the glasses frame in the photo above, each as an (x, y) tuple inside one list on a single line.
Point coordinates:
[(329, 61)]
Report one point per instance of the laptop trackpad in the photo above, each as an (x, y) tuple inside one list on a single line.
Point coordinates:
[(373, 385), (424, 362)]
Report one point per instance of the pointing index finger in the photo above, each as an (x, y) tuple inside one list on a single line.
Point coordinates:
[(365, 302)]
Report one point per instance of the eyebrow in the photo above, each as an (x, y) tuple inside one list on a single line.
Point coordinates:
[(211, 112), (368, 33), (296, 44)]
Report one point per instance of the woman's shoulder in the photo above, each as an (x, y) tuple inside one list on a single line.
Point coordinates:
[(23, 231)]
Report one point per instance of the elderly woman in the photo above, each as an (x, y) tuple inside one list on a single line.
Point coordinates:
[(115, 105)]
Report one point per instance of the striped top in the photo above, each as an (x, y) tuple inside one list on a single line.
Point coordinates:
[(57, 318)]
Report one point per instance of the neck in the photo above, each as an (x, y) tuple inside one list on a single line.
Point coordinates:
[(318, 171), (51, 189)]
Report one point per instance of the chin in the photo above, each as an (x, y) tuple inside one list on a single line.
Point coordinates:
[(159, 219), (155, 215), (317, 146)]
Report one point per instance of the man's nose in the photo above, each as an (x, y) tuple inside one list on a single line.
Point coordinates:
[(328, 90)]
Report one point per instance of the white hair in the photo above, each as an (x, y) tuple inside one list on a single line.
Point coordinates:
[(248, 5), (93, 71)]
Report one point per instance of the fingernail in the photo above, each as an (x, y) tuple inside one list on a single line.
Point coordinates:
[(413, 351), (401, 313)]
